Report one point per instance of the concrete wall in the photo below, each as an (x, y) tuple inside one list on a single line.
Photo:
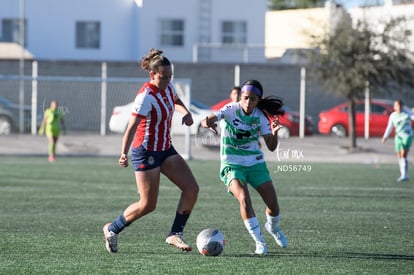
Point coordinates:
[(210, 84)]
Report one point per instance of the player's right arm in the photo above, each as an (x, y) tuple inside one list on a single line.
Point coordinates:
[(128, 138), (210, 122), (388, 129)]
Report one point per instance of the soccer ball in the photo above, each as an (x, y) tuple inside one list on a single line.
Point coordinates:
[(210, 242)]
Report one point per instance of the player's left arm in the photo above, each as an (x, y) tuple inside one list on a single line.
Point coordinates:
[(271, 139), (180, 107), (411, 113)]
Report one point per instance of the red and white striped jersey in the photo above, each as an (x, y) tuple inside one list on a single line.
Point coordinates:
[(156, 109)]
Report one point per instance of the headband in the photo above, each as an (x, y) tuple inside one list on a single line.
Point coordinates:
[(251, 88)]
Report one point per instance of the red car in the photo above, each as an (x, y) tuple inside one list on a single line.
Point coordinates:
[(335, 121), (290, 121)]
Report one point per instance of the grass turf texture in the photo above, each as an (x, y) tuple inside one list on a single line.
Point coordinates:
[(339, 219)]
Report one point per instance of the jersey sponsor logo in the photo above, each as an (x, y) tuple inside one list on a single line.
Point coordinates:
[(242, 133)]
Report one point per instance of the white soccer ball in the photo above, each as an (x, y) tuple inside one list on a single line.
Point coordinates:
[(210, 242)]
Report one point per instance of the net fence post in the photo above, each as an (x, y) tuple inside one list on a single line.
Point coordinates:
[(34, 99), (103, 98)]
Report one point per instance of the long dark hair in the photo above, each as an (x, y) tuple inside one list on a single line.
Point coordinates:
[(270, 105)]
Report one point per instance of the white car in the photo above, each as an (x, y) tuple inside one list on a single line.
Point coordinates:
[(121, 115)]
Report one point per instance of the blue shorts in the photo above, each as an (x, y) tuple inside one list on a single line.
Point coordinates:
[(142, 159)]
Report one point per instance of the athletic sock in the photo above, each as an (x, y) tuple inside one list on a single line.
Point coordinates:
[(52, 149), (253, 227), (273, 220), (401, 164), (405, 168), (118, 224), (179, 223)]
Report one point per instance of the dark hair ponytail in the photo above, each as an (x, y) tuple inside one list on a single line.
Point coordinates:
[(270, 105)]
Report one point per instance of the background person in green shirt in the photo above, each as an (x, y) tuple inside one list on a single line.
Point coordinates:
[(51, 125), (400, 121)]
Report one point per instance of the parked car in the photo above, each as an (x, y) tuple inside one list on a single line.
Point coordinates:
[(290, 121), (220, 104), (9, 117), (121, 115), (335, 121)]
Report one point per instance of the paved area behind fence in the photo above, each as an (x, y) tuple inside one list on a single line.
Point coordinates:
[(309, 149)]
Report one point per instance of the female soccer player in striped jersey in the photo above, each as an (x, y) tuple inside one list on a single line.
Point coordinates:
[(152, 153), (242, 160)]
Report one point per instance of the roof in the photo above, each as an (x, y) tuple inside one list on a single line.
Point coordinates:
[(9, 50)]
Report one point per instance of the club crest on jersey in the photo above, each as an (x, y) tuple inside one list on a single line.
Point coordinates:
[(150, 160), (167, 102)]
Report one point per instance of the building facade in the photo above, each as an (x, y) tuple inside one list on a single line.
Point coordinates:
[(124, 30), (198, 31)]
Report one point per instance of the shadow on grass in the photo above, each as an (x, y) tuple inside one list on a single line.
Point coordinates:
[(345, 255)]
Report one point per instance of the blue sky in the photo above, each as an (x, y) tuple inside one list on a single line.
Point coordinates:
[(355, 3)]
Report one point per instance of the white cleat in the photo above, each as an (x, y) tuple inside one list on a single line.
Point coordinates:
[(277, 234), (111, 239), (178, 241), (261, 248)]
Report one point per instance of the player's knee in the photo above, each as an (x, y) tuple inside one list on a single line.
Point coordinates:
[(192, 190), (244, 201), (149, 207)]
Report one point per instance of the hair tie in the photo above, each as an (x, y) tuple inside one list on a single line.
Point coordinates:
[(253, 89), (155, 56)]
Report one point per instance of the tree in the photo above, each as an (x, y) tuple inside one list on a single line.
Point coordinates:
[(306, 4), (294, 4), (353, 55)]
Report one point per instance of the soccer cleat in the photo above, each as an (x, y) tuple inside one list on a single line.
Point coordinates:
[(261, 248), (111, 239), (52, 159), (178, 241), (400, 179), (277, 235)]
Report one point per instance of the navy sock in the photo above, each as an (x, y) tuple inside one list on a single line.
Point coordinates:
[(118, 224), (179, 223)]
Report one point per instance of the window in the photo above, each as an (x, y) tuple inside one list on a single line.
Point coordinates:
[(88, 34), (172, 32), (234, 32), (359, 107), (11, 30), (379, 109)]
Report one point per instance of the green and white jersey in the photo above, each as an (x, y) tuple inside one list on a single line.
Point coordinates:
[(402, 124), (240, 135)]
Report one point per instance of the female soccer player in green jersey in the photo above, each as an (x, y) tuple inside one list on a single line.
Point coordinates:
[(242, 160), (400, 120), (51, 123)]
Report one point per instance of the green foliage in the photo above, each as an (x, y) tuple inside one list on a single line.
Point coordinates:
[(294, 4), (339, 218), (352, 56)]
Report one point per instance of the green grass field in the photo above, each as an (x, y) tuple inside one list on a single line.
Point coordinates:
[(339, 219)]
